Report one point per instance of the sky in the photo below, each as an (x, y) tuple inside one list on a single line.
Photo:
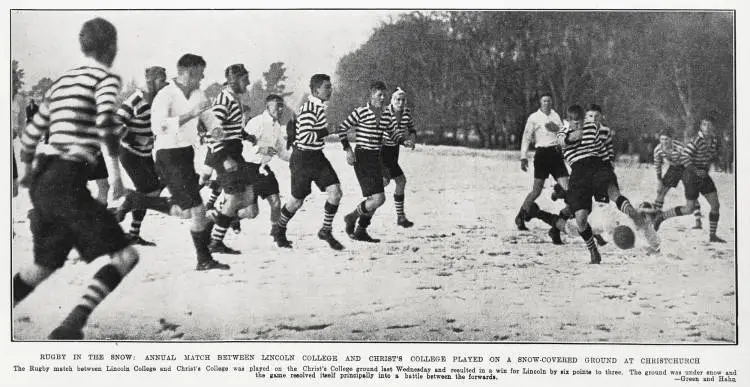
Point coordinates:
[(46, 42)]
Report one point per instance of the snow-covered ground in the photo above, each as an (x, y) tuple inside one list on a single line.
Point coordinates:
[(463, 273)]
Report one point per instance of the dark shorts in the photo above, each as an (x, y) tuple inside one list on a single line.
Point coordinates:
[(263, 185), (369, 171), (589, 178), (98, 171), (142, 171), (673, 176), (15, 167), (209, 160), (177, 173), (389, 158), (233, 182), (307, 167), (695, 185), (549, 161), (65, 216)]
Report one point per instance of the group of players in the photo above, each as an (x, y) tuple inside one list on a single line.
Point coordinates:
[(152, 134), (584, 143)]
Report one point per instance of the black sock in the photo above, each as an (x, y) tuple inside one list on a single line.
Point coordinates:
[(135, 225), (20, 288), (588, 237), (328, 215), (364, 221), (546, 217), (221, 227), (285, 217), (104, 282), (200, 241)]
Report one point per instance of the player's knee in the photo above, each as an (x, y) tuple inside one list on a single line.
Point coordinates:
[(378, 199), (334, 193), (249, 212), (401, 180), (125, 259)]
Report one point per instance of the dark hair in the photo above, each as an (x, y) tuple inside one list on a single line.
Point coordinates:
[(317, 80), (709, 116), (666, 131), (377, 85), (190, 60), (546, 94), (274, 97), (575, 111), (235, 70), (594, 107), (156, 72), (96, 36)]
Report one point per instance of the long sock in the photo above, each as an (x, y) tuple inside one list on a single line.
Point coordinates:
[(697, 212), (677, 211), (623, 204), (658, 204), (588, 237), (330, 213), (399, 200), (364, 222), (285, 217), (215, 192), (104, 282), (135, 225), (360, 210), (21, 289), (221, 226), (713, 219), (200, 241)]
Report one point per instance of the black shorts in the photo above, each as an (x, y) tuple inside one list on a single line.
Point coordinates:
[(389, 158), (589, 177), (307, 167), (263, 185), (369, 171), (673, 176), (695, 185), (66, 216), (177, 172), (549, 161), (232, 182), (142, 171), (98, 171)]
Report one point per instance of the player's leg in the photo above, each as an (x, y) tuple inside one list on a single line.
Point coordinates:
[(712, 197), (584, 229), (698, 216), (536, 190)]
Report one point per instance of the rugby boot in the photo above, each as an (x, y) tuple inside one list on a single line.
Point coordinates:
[(279, 236), (403, 222), (327, 236), (698, 224), (713, 238), (520, 225), (361, 235), (137, 240), (554, 234), (600, 239), (351, 221), (211, 264), (596, 258), (218, 247), (64, 332)]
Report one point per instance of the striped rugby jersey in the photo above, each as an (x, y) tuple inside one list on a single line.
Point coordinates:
[(401, 127), (311, 126), (228, 110), (605, 138), (370, 132), (77, 111), (675, 155), (701, 151), (589, 146), (135, 114)]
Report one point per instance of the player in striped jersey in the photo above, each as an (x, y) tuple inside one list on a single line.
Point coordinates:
[(698, 155), (371, 128), (138, 144), (673, 152), (77, 115), (400, 119), (308, 164), (225, 144), (585, 150)]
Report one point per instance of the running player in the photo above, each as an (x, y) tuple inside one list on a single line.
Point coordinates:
[(699, 153), (308, 164), (401, 121), (138, 143), (77, 117), (541, 128), (370, 123), (673, 151)]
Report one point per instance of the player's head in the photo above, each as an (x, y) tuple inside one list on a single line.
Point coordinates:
[(545, 102), (156, 78), (398, 99), (98, 39), (708, 121), (237, 78), (275, 105), (574, 113), (190, 70), (665, 136), (320, 86), (593, 113), (377, 94)]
